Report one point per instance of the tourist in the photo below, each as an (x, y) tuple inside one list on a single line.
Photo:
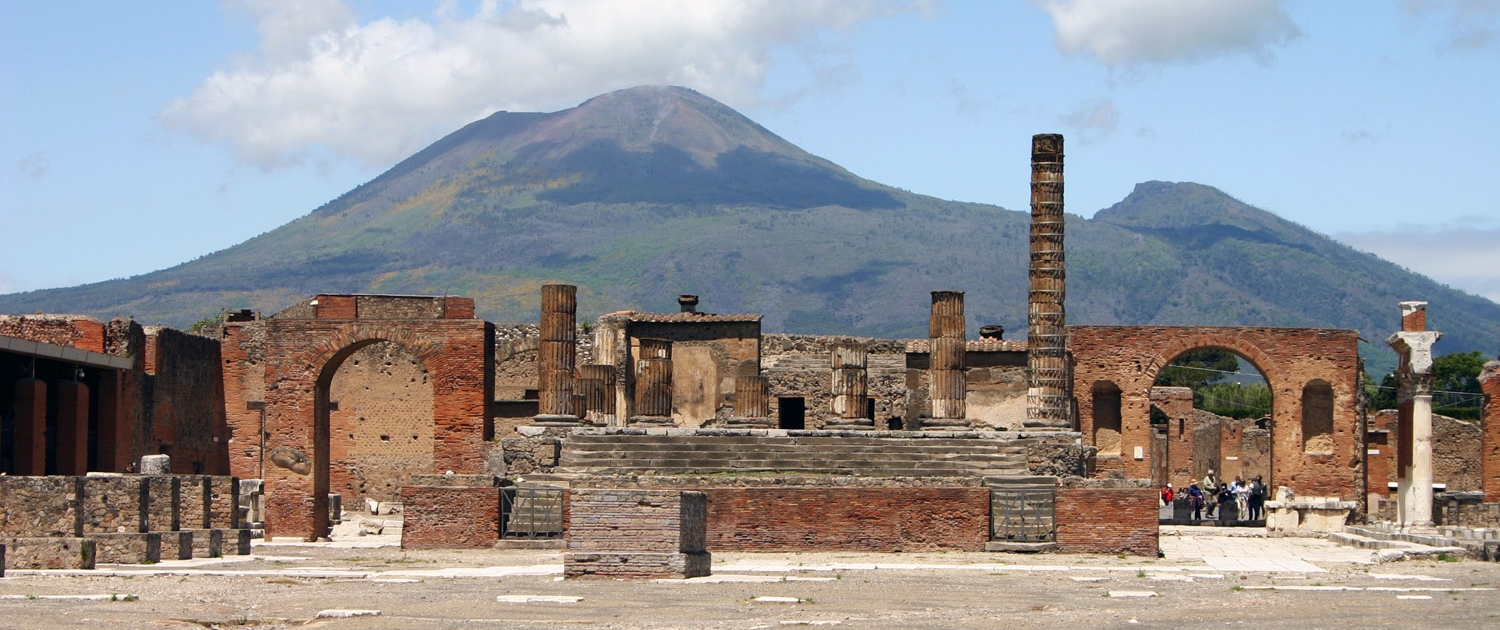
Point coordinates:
[(1257, 499), (1166, 495), (1210, 486), (1195, 497), (1225, 497), (1241, 492)]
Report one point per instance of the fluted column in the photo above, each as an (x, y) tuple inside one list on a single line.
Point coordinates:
[(850, 386), (945, 332), (1048, 392), (597, 384), (653, 385), (557, 355), (752, 403)]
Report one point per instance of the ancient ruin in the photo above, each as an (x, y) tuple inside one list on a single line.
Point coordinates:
[(701, 430)]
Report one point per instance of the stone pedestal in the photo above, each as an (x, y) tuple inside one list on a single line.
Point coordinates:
[(155, 465), (637, 534)]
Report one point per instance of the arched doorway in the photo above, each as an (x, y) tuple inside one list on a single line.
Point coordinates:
[(1213, 400), (380, 430)]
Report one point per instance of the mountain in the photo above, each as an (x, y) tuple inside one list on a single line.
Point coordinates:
[(642, 194)]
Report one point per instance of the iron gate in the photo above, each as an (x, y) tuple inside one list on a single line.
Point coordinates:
[(531, 512), (1023, 514)]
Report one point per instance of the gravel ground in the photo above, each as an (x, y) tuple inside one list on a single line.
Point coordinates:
[(288, 586)]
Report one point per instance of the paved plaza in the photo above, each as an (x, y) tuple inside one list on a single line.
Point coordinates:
[(1206, 577)]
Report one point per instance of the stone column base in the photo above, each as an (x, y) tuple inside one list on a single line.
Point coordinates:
[(127, 548), (626, 564), (651, 421), (49, 553), (555, 420)]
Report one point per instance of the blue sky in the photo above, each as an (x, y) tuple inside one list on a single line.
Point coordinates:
[(142, 135)]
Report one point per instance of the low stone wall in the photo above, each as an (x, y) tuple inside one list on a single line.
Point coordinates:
[(1108, 520), (450, 517), (1464, 509), (127, 548), (636, 534), (40, 507), (61, 552), (852, 519)]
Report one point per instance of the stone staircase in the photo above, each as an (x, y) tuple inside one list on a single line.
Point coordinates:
[(812, 454)]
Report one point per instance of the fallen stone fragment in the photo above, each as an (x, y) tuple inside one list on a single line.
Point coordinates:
[(1132, 593), (777, 600), (343, 613), (538, 599)]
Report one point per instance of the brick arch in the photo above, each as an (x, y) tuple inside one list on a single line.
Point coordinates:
[(303, 354), (1214, 341)]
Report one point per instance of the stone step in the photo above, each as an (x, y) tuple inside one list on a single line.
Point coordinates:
[(856, 453)]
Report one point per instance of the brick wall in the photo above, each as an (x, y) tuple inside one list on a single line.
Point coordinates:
[(635, 533), (450, 518), (1107, 520), (862, 519), (1290, 358), (1489, 382), (187, 401)]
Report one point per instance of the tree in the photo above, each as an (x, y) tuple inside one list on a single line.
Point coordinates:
[(1455, 386), (1196, 368)]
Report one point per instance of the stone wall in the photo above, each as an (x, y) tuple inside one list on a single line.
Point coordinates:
[(800, 366), (44, 507), (708, 353), (383, 431), (450, 518), (243, 350), (1108, 520), (187, 400), (847, 519)]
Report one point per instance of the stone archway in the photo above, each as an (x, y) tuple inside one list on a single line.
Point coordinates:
[(1288, 358), (303, 355)]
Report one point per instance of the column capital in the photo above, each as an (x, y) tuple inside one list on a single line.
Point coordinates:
[(1415, 349)]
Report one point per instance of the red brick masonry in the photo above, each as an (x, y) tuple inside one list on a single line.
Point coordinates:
[(857, 519), (450, 518), (1107, 520)]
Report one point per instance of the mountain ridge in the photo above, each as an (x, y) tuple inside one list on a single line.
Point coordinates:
[(641, 194)]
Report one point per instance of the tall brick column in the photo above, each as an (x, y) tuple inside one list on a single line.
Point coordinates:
[(850, 386), (1414, 381), (72, 428), (30, 450), (1048, 392), (557, 355), (1489, 441), (752, 403), (653, 385)]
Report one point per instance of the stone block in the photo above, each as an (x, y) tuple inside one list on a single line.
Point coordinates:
[(642, 565), (236, 542), (223, 502), (156, 465), (207, 543), (40, 506), (176, 545), (114, 505), (127, 548), (163, 503), (49, 553)]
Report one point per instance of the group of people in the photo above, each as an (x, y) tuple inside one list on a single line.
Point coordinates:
[(1210, 494)]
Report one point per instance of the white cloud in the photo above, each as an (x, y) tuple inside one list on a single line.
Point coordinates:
[(379, 90), (33, 166), (1464, 258), (1128, 32), (1093, 120), (1471, 24)]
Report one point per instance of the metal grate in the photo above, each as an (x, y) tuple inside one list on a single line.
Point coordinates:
[(1023, 514), (531, 512)]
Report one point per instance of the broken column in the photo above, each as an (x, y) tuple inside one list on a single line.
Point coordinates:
[(752, 403), (1489, 441), (945, 371), (597, 385), (850, 386), (556, 356), (653, 384), (1414, 384), (1049, 383)]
